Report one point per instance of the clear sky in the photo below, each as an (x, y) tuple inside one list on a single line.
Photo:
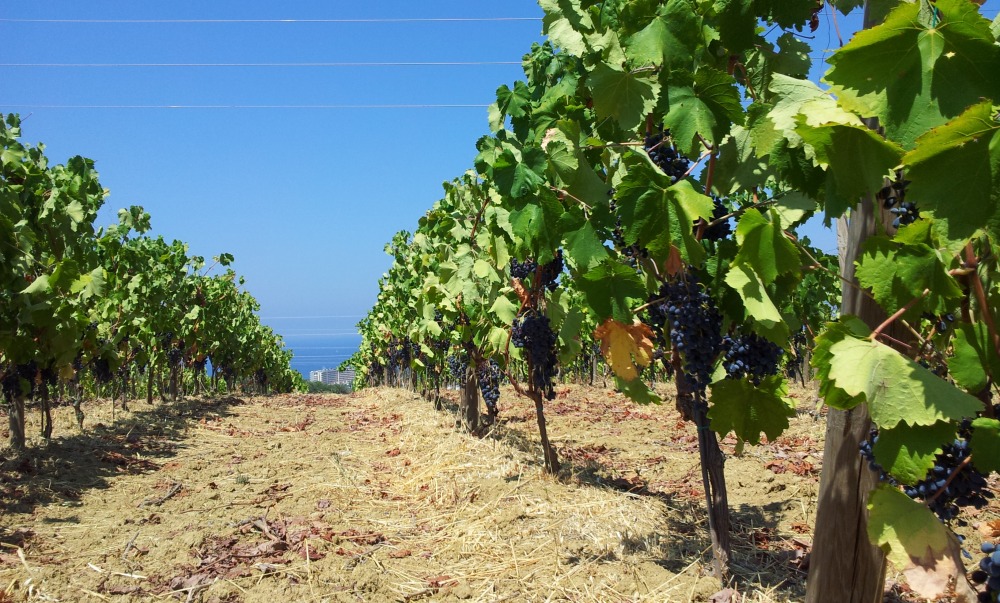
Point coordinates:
[(305, 198)]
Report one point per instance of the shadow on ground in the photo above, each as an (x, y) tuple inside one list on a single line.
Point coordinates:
[(60, 471)]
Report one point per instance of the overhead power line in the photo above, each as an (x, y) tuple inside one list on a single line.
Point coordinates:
[(376, 106), (331, 64), (221, 21)]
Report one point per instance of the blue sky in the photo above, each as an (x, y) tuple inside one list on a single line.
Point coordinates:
[(304, 198)]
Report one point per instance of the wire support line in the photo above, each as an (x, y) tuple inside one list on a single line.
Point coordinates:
[(221, 21), (231, 106), (315, 64), (311, 317)]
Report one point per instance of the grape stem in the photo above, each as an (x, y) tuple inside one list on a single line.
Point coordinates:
[(583, 204), (479, 216), (897, 314), (972, 262)]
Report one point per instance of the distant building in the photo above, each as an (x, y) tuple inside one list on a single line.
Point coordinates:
[(332, 376)]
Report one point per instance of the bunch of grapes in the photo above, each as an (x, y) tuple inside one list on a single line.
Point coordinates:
[(663, 153), (522, 270), (719, 231), (533, 333), (102, 370), (618, 238), (551, 271), (967, 486), (457, 365), (488, 373), (893, 198), (694, 324), (989, 573), (750, 356)]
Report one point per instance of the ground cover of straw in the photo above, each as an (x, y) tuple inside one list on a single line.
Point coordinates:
[(375, 496)]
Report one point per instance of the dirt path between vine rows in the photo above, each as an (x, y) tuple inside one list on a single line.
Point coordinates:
[(375, 496)]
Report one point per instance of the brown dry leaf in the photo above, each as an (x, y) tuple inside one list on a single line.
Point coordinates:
[(931, 575), (674, 264), (522, 292), (990, 529), (400, 554), (727, 595), (624, 346)]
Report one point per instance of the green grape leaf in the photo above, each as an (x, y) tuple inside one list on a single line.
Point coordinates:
[(565, 25), (39, 285), (570, 167), (965, 150), (856, 160), (919, 545), (537, 223), (801, 97), (623, 96), (748, 411), (897, 274), (758, 304), (637, 390), (908, 452), (738, 168), (659, 215), (794, 207), (504, 309), (975, 361), (847, 326), (520, 176), (985, 445), (609, 289), (896, 388), (516, 102), (737, 24), (709, 107), (583, 246), (669, 39), (764, 247), (914, 75), (797, 168)]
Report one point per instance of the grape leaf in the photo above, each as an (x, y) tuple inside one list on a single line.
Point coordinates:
[(563, 23), (519, 173), (896, 388), (758, 304), (801, 97), (658, 214), (965, 150), (975, 360), (898, 273), (608, 289), (637, 391), (669, 39), (915, 541), (625, 346), (709, 107), (747, 411), (584, 247), (985, 444), (908, 452), (856, 160), (764, 246), (622, 95), (914, 75), (504, 309)]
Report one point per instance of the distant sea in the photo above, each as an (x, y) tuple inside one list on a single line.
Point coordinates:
[(317, 342)]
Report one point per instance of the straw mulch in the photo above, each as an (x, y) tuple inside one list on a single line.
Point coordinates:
[(376, 496)]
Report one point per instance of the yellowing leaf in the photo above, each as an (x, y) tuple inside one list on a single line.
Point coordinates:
[(625, 346)]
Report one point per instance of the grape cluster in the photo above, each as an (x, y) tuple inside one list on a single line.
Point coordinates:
[(719, 231), (966, 488), (551, 271), (941, 323), (750, 356), (488, 373), (457, 365), (663, 153), (533, 333), (522, 270), (988, 573), (688, 313), (893, 198), (102, 370)]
